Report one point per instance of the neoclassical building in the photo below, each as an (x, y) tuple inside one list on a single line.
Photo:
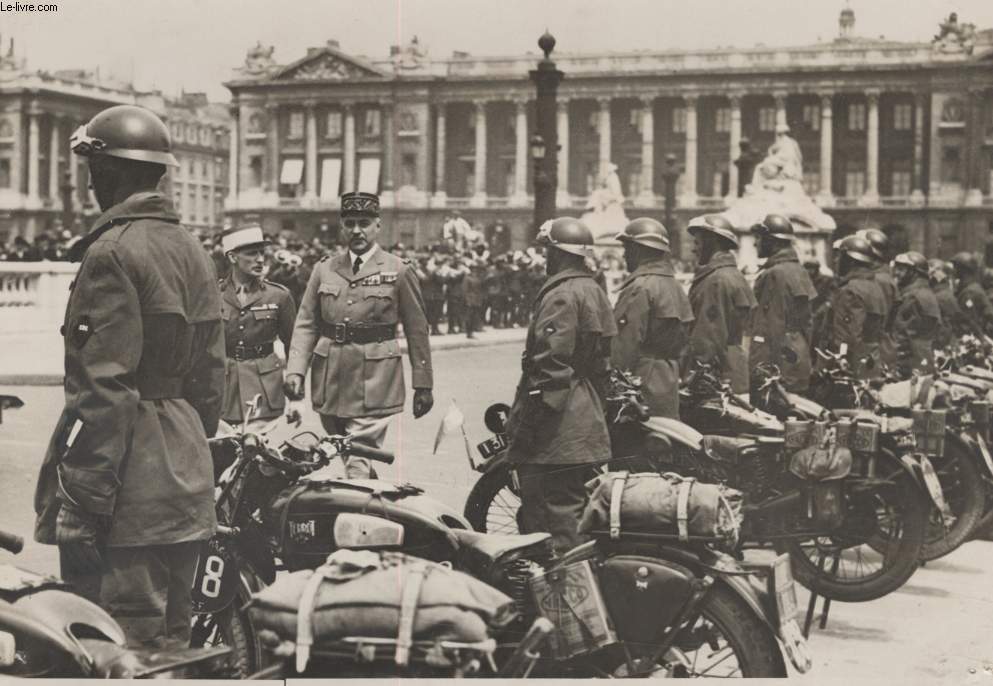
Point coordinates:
[(891, 132), (40, 110)]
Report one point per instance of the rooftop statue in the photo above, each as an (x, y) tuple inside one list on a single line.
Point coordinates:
[(259, 59), (954, 37)]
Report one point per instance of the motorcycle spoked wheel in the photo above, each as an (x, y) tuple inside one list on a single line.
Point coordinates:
[(984, 525), (230, 627), (494, 504), (964, 490), (875, 550)]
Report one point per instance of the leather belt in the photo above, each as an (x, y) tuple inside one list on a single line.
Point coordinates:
[(346, 332), (249, 352)]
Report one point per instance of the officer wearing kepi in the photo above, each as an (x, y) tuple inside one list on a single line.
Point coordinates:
[(346, 332), (915, 322), (126, 488), (782, 322), (557, 428), (653, 317), (722, 302), (255, 312)]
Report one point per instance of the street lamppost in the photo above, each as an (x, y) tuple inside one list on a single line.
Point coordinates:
[(670, 175), (545, 143), (66, 192)]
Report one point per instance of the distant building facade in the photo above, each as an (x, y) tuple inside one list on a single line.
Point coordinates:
[(891, 132)]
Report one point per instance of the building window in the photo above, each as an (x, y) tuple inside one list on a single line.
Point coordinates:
[(295, 127), (722, 120), (903, 116), (470, 179), (950, 165), (191, 134), (902, 182), (679, 120), (372, 123), (812, 117), (255, 123), (854, 180), (177, 201), (508, 177), (767, 119), (177, 133), (255, 165), (333, 129), (5, 172), (592, 175), (408, 170), (205, 204), (719, 187), (6, 130), (856, 116)]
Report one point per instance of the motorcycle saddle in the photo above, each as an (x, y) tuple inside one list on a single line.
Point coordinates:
[(726, 448), (483, 550)]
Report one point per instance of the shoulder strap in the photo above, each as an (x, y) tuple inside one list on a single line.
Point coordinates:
[(682, 508), (616, 496), (408, 609)]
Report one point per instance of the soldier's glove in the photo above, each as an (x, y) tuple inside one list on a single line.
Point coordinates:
[(79, 536), (423, 402), (293, 386)]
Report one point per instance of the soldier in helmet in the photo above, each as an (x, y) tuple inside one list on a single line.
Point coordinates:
[(952, 319), (879, 244), (126, 488), (972, 299), (916, 320), (782, 322), (557, 427), (858, 307), (722, 301), (653, 317)]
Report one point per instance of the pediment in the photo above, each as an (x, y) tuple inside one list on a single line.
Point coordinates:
[(328, 64)]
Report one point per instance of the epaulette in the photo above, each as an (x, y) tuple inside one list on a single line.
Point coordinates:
[(277, 285)]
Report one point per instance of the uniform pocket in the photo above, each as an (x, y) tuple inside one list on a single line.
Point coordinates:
[(272, 381), (318, 370), (383, 376)]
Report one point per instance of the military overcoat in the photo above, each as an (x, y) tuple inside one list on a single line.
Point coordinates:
[(352, 379), (975, 307), (144, 375), (914, 327), (891, 292), (858, 317), (653, 316), (558, 412), (952, 319)]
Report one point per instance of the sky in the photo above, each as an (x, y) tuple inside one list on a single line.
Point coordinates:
[(193, 45)]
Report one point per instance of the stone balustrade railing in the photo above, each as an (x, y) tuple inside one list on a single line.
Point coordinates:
[(33, 295)]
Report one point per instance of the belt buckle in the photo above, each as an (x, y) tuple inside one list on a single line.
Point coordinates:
[(239, 353), (340, 333)]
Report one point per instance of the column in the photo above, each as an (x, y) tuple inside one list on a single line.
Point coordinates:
[(73, 162), (780, 98), (562, 198), (734, 145), (245, 180), (272, 152), (824, 196), (520, 196), (688, 198), (479, 171), (310, 162), (387, 196), (54, 147), (17, 158), (871, 196), (646, 194), (33, 140), (348, 164), (233, 153), (604, 130), (917, 194), (973, 148), (211, 191), (440, 128)]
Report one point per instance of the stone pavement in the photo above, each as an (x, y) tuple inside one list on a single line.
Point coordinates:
[(35, 359)]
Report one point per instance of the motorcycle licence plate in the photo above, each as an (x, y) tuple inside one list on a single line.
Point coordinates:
[(492, 446), (984, 448)]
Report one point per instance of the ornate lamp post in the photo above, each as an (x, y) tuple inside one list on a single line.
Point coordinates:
[(68, 212), (544, 144), (670, 175)]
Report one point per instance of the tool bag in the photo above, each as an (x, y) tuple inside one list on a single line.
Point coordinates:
[(815, 452), (379, 595), (661, 504)]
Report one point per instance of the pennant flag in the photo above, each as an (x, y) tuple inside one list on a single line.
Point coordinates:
[(452, 422)]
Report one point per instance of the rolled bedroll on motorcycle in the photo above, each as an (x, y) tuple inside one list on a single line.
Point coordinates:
[(868, 521), (669, 607)]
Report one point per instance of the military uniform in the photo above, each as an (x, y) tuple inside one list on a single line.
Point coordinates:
[(975, 307), (890, 290), (782, 321), (557, 421), (144, 369), (346, 332), (952, 320), (251, 325), (914, 327), (722, 303), (653, 318), (858, 317)]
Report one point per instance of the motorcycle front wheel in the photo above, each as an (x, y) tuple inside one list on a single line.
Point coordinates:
[(965, 492), (230, 627)]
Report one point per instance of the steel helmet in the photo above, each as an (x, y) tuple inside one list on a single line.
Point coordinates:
[(965, 262), (128, 132), (878, 242), (715, 224), (914, 260), (647, 232), (938, 270), (775, 225), (857, 248), (567, 234)]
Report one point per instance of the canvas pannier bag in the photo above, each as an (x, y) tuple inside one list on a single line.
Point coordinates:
[(379, 595), (662, 504)]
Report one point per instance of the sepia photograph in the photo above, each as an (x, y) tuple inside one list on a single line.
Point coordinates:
[(434, 339)]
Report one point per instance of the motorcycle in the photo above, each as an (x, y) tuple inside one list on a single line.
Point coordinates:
[(869, 522), (278, 511), (48, 631)]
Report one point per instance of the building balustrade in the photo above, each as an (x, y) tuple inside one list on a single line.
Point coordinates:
[(33, 295)]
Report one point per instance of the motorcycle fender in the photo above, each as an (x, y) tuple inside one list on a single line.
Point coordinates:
[(217, 578), (644, 595), (498, 461), (22, 624), (977, 448)]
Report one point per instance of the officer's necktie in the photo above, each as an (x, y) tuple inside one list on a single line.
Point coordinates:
[(357, 265)]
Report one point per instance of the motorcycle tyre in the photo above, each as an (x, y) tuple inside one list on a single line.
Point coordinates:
[(974, 502), (915, 513), (237, 632), (486, 488)]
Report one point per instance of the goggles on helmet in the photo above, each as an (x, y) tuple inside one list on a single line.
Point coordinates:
[(82, 143)]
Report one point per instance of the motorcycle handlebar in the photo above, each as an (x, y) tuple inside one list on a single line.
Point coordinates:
[(11, 542), (370, 453)]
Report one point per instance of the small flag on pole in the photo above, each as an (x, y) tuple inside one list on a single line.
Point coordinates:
[(452, 421)]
